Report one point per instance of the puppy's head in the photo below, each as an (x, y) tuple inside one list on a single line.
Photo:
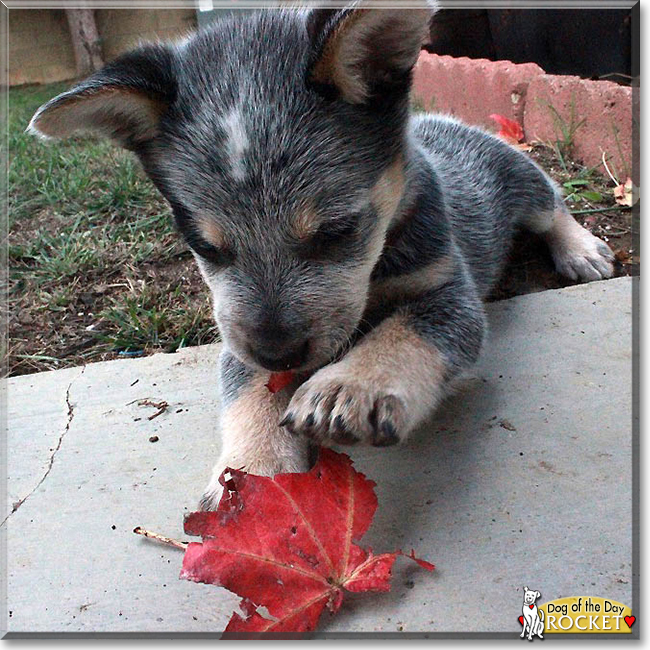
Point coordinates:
[(279, 143)]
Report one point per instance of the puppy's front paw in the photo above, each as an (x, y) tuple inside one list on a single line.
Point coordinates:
[(583, 257), (269, 466), (334, 406)]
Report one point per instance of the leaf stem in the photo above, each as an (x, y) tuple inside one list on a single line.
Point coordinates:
[(161, 538)]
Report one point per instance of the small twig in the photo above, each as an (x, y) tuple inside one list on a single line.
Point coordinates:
[(616, 233), (609, 173), (160, 538), (162, 406), (161, 409), (615, 207)]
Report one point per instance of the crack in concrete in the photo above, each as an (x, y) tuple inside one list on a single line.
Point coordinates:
[(70, 406)]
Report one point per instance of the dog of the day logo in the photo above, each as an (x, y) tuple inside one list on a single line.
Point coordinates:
[(573, 615)]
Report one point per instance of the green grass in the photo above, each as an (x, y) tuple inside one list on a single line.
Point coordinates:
[(82, 215), (79, 175), (155, 319), (565, 131)]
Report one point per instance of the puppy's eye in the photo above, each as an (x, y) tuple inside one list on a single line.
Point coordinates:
[(212, 254), (330, 239), (334, 233), (337, 231)]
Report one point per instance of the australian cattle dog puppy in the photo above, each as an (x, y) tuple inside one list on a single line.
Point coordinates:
[(341, 237)]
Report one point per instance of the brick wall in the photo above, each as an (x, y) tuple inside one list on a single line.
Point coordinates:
[(599, 113), (39, 40)]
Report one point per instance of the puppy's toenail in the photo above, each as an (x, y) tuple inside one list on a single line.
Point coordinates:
[(386, 435), (342, 433)]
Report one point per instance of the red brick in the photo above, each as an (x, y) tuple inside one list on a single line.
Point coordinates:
[(602, 118), (472, 89)]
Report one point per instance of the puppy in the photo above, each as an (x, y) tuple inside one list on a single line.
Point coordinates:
[(533, 624), (341, 237)]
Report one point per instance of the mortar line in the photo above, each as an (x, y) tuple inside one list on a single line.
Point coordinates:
[(70, 406)]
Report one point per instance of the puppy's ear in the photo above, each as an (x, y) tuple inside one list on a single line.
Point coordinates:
[(538, 594), (361, 52), (123, 101)]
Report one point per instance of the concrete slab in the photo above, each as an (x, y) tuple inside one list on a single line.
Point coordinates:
[(524, 478)]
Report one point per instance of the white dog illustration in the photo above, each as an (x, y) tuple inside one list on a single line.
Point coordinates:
[(532, 621)]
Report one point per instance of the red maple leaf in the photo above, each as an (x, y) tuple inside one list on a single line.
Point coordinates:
[(279, 380), (288, 544), (510, 130)]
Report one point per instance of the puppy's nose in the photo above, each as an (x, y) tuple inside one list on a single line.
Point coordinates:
[(281, 357)]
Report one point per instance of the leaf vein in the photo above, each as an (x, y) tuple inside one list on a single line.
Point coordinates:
[(310, 530), (349, 523), (261, 558), (297, 611)]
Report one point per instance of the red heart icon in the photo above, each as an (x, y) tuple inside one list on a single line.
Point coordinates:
[(630, 620), (521, 620), (531, 606)]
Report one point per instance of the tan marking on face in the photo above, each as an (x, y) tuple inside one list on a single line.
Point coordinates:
[(306, 222), (385, 197), (210, 231), (412, 284), (387, 193)]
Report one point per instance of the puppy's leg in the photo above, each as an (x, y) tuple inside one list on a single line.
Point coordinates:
[(393, 379), (577, 253), (251, 436)]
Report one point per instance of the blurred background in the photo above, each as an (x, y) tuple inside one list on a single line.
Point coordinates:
[(47, 45)]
